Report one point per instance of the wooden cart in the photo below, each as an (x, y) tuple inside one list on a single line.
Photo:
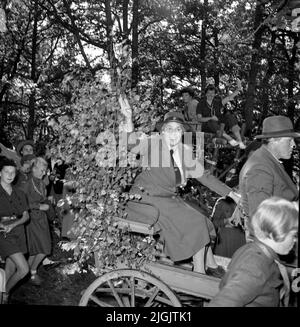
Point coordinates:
[(153, 285)]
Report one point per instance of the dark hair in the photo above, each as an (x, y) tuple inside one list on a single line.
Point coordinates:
[(210, 87), (265, 141), (6, 162), (224, 208), (188, 90)]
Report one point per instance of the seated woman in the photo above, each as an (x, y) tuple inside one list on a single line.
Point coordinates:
[(13, 215), (183, 228), (253, 276), (38, 231), (229, 236)]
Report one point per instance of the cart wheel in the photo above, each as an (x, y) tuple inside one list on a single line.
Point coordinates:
[(129, 288)]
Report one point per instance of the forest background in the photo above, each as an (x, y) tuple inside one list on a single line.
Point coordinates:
[(63, 65)]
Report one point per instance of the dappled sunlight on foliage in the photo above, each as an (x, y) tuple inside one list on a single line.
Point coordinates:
[(88, 140)]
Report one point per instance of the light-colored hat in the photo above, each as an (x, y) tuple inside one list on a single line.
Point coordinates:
[(176, 117), (277, 126)]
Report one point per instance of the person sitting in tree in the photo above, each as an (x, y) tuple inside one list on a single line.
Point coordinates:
[(209, 113), (190, 109)]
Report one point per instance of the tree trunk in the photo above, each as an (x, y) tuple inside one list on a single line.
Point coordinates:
[(203, 47), (216, 58), (265, 82), (31, 119), (76, 35), (135, 44), (254, 66), (291, 78), (110, 43)]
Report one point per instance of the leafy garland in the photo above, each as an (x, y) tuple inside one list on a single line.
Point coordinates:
[(87, 138)]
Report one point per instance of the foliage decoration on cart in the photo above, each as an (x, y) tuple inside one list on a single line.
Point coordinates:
[(87, 138)]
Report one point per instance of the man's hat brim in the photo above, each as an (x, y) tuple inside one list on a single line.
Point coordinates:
[(288, 133), (22, 144)]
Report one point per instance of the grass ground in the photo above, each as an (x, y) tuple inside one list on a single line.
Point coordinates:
[(57, 288)]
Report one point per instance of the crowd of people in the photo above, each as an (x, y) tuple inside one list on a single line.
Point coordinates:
[(267, 197), (269, 202), (28, 195)]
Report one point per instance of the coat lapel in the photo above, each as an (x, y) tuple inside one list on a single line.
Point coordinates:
[(280, 170)]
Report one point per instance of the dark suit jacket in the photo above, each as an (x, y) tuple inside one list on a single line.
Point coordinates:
[(261, 177), (252, 279)]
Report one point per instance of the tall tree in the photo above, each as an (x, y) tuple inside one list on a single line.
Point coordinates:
[(259, 28)]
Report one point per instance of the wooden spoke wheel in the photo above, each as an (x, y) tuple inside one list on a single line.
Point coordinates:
[(129, 288)]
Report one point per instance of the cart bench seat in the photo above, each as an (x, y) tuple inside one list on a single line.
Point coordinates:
[(135, 226)]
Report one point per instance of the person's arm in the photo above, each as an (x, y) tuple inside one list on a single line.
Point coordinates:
[(17, 222), (231, 96), (244, 285), (259, 185), (192, 110), (214, 184), (206, 119), (127, 125)]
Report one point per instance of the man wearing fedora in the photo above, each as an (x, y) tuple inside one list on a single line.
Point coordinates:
[(263, 174), (182, 227)]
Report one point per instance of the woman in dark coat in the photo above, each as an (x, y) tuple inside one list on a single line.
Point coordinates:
[(38, 231), (13, 215), (183, 228)]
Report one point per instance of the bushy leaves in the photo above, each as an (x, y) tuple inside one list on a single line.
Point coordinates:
[(88, 140)]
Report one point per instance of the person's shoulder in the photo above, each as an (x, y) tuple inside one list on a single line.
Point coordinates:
[(258, 157), (249, 255)]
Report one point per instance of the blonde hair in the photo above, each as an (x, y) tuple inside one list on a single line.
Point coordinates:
[(275, 218), (39, 161)]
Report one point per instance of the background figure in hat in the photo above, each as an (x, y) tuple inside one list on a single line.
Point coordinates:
[(263, 175), (183, 229)]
